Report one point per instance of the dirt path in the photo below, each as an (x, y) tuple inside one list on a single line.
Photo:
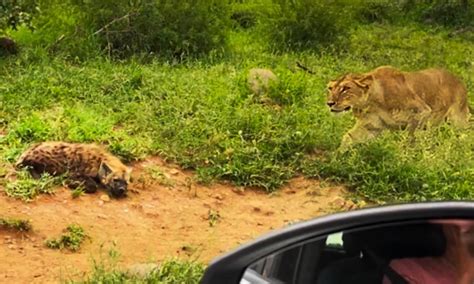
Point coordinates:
[(168, 216)]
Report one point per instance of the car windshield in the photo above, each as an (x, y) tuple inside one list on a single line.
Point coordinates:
[(140, 139)]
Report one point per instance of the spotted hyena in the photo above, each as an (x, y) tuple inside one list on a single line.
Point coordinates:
[(86, 165)]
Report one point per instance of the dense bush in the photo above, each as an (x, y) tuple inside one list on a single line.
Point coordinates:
[(447, 12), (306, 24), (14, 13), (377, 11), (121, 28)]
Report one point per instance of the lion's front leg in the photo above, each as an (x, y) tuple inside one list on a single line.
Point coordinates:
[(358, 134), (419, 119)]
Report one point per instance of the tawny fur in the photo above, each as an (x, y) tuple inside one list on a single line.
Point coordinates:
[(387, 98), (88, 165)]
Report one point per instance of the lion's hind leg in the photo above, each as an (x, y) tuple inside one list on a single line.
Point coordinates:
[(459, 116)]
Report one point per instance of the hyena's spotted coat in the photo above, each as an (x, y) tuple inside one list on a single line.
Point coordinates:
[(85, 165)]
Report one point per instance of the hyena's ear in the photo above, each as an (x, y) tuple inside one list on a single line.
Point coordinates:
[(104, 170), (128, 175), (364, 81)]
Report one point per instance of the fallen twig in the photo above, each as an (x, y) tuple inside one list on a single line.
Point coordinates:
[(304, 68)]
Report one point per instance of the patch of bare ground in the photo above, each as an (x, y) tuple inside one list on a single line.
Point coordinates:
[(167, 215)]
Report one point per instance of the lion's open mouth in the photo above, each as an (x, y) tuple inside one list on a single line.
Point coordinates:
[(341, 110)]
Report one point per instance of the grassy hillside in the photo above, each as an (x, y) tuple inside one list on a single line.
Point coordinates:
[(201, 114)]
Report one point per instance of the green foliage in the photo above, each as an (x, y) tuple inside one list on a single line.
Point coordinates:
[(176, 29), (27, 188), (15, 13), (442, 12), (306, 24), (15, 224), (201, 115), (393, 168), (377, 11), (72, 239), (169, 271)]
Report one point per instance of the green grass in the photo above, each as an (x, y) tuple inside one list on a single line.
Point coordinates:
[(72, 239), (170, 271), (201, 115), (27, 188), (106, 270), (15, 224)]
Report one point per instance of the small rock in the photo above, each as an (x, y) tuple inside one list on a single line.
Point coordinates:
[(12, 246), (257, 209), (174, 171), (105, 198), (218, 197), (338, 202), (102, 216), (259, 80), (239, 190)]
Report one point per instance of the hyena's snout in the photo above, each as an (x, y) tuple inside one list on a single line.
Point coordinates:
[(118, 188)]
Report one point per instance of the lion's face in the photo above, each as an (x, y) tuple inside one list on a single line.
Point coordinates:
[(347, 92)]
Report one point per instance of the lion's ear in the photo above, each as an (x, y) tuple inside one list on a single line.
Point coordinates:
[(364, 81)]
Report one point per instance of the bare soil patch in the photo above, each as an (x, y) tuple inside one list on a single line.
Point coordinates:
[(167, 215)]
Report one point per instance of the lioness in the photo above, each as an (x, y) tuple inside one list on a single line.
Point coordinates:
[(387, 98)]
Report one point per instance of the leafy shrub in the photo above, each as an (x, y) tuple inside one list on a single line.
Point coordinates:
[(166, 28), (14, 13), (72, 239), (27, 188), (16, 224), (440, 12), (448, 13), (168, 271), (306, 24), (377, 11)]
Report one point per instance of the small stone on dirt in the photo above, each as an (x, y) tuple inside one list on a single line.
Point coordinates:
[(105, 198), (218, 197), (338, 202), (174, 171), (12, 246), (239, 190), (102, 216)]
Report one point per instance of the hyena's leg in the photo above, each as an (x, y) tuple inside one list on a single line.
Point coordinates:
[(33, 168), (88, 183)]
